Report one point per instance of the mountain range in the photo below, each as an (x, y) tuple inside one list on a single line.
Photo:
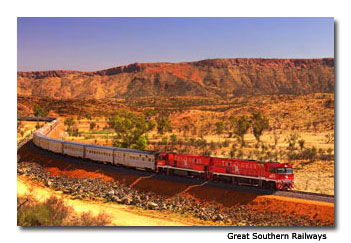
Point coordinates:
[(206, 78)]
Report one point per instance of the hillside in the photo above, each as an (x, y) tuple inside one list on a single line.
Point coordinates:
[(207, 78)]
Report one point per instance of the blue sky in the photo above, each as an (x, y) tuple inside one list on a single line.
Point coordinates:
[(89, 44)]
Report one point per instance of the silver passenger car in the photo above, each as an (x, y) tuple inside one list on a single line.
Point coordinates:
[(99, 153), (134, 158), (73, 149)]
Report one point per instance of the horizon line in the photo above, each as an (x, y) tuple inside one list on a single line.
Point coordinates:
[(133, 63)]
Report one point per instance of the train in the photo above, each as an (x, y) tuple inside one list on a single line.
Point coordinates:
[(270, 175)]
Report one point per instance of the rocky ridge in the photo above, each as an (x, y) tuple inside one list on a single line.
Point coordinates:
[(206, 78)]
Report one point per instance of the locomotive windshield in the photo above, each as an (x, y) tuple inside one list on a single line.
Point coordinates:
[(284, 171)]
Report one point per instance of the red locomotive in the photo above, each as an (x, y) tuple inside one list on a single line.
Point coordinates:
[(273, 175)]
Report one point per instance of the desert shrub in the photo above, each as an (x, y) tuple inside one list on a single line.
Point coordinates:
[(240, 154), (291, 140), (232, 153), (256, 153), (329, 103), (275, 155), (212, 145), (87, 219), (263, 147), (73, 133), (69, 122), (180, 141), (92, 125), (301, 144), (101, 132), (307, 154), (225, 143), (206, 153), (53, 212), (40, 111), (329, 138), (219, 127), (293, 156), (192, 141), (37, 126), (173, 138), (163, 125)]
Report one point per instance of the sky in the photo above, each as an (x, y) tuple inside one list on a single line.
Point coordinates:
[(90, 44)]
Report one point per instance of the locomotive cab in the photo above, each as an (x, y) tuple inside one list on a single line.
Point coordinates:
[(282, 175)]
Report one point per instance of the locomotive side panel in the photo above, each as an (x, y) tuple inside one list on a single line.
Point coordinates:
[(191, 162)]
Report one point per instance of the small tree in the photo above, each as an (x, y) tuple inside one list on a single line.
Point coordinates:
[(37, 126), (69, 122), (92, 125), (329, 151), (259, 123), (88, 116), (329, 138), (40, 111), (291, 140), (241, 128), (131, 129), (276, 138), (301, 144), (219, 128), (19, 126), (186, 130), (163, 125), (173, 138)]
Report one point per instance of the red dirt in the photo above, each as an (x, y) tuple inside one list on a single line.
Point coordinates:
[(291, 206), (78, 173)]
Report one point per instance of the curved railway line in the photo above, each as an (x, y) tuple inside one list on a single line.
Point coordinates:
[(29, 149)]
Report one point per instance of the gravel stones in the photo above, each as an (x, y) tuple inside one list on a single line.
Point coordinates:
[(113, 191)]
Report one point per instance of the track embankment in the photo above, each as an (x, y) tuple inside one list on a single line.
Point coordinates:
[(221, 196)]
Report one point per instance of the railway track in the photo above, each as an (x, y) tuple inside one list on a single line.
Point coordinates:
[(307, 195)]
